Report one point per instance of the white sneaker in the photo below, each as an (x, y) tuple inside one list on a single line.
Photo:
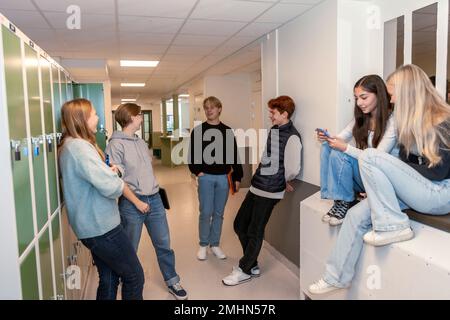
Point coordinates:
[(236, 277), (255, 271), (321, 287), (202, 253), (218, 253), (378, 238)]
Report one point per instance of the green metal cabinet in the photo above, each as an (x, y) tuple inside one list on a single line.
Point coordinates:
[(18, 135), (32, 90), (94, 92), (58, 258), (46, 266), (29, 277), (37, 137)]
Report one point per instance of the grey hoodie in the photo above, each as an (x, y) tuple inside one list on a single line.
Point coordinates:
[(132, 156)]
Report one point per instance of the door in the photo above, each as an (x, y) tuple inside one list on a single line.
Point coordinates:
[(147, 128)]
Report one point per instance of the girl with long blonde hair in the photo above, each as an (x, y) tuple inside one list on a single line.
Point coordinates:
[(419, 180), (91, 189)]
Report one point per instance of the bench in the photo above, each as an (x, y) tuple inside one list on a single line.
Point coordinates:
[(415, 269)]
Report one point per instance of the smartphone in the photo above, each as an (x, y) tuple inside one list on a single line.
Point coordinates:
[(325, 132)]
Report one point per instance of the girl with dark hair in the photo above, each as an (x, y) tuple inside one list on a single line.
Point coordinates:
[(372, 127)]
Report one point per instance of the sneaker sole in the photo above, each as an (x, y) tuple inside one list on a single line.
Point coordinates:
[(256, 275), (178, 297), (329, 291), (201, 259), (335, 224), (326, 220), (386, 242), (240, 282)]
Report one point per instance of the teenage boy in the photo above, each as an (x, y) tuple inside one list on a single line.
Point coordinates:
[(280, 164), (209, 160)]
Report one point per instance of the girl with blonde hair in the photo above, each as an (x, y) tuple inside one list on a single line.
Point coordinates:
[(419, 180), (90, 190)]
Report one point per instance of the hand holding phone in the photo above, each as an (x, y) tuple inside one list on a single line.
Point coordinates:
[(323, 135), (324, 132)]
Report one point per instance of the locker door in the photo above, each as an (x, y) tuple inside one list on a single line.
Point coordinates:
[(36, 129), (46, 266), (29, 278), (57, 251), (49, 132), (56, 97), (18, 135)]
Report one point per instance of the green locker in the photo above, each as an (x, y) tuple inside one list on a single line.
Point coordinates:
[(46, 266), (57, 255), (49, 132), (94, 92), (36, 129), (56, 97), (18, 135), (29, 277)]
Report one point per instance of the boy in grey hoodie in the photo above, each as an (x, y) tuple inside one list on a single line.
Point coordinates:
[(132, 157)]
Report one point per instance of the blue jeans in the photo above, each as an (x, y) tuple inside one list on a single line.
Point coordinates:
[(213, 195), (115, 258), (388, 180), (384, 176), (339, 175), (156, 223)]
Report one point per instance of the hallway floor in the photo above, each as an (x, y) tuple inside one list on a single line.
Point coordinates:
[(203, 279)]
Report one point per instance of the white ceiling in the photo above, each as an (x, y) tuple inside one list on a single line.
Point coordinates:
[(187, 36)]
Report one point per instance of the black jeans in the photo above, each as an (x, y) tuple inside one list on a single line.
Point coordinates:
[(249, 225), (116, 258)]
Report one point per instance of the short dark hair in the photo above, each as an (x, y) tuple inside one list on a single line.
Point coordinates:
[(124, 113), (283, 104)]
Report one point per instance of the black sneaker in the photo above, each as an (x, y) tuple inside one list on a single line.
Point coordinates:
[(340, 213), (326, 218), (178, 291)]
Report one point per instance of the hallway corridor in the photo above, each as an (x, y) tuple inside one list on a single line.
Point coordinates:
[(203, 279)]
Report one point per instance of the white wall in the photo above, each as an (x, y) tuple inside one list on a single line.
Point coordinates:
[(235, 93), (300, 59)]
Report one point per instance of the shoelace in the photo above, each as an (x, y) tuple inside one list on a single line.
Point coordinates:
[(332, 211), (341, 209), (177, 287)]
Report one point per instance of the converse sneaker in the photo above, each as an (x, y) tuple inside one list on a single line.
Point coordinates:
[(202, 253), (321, 287), (236, 277), (178, 291), (326, 218), (256, 272), (340, 213), (379, 238), (218, 253)]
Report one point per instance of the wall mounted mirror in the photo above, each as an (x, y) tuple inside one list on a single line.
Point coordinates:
[(394, 45), (424, 39)]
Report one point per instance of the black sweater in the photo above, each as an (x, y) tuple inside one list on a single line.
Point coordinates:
[(420, 164), (222, 167)]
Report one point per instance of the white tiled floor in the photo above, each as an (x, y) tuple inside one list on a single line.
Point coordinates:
[(202, 280)]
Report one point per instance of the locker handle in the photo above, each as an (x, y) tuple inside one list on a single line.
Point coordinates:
[(15, 145)]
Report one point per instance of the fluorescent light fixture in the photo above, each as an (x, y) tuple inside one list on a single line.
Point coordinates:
[(136, 63), (183, 96), (124, 84), (128, 100)]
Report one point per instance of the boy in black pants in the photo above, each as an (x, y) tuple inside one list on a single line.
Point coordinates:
[(280, 164)]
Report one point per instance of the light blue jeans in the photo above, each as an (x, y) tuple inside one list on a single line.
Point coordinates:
[(385, 178), (339, 175), (213, 195), (156, 223)]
